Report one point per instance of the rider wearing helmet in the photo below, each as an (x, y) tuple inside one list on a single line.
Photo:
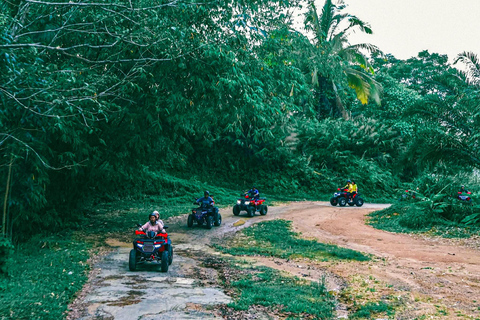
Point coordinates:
[(253, 193), (462, 189), (207, 202), (153, 224), (349, 187)]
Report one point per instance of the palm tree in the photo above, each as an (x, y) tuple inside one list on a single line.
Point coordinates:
[(330, 46), (472, 64)]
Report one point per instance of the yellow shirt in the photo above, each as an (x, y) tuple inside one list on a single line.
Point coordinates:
[(353, 188)]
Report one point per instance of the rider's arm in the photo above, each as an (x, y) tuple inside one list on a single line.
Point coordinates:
[(144, 227), (160, 226)]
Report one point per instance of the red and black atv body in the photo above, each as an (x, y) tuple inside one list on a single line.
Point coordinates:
[(465, 196), (408, 195), (250, 205), (341, 198), (151, 247)]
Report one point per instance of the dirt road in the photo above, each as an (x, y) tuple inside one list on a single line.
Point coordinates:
[(434, 278)]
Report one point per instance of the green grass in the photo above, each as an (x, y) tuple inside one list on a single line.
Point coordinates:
[(372, 310), (254, 285), (275, 238), (44, 276), (407, 217), (267, 287)]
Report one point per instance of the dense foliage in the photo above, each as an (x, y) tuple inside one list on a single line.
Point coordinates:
[(100, 99)]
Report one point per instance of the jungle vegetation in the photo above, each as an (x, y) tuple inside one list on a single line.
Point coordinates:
[(101, 99), (115, 100)]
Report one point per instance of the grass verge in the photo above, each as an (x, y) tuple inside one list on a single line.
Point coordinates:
[(275, 238), (408, 217), (44, 276), (262, 286)]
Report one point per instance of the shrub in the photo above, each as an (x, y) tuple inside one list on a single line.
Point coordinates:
[(6, 251)]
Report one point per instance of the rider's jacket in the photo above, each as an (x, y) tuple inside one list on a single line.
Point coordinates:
[(463, 190), (205, 201), (253, 193), (353, 188), (157, 227)]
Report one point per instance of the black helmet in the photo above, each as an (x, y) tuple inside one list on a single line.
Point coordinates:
[(152, 214), (206, 193)]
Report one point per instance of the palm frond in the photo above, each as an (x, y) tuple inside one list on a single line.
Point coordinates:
[(367, 47), (363, 26), (472, 64), (336, 22), (327, 17), (365, 86)]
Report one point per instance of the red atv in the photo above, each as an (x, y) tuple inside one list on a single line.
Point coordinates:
[(341, 198), (250, 205), (465, 196), (151, 247)]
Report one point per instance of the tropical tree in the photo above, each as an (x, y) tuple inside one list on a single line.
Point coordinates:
[(335, 63), (91, 93), (472, 63)]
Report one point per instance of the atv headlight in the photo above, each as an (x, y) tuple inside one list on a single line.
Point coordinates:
[(239, 201), (140, 245), (247, 203), (158, 245)]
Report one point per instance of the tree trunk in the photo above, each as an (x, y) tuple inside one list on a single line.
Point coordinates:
[(339, 104), (5, 201)]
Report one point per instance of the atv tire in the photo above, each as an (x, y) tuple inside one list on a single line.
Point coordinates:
[(218, 220), (342, 202), (236, 209), (359, 202), (209, 222), (190, 221), (263, 210), (132, 260), (170, 254), (250, 212), (333, 201), (164, 262)]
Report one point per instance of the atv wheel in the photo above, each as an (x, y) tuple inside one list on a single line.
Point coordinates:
[(333, 201), (170, 254), (236, 209), (132, 260), (164, 262), (263, 210), (190, 221), (218, 219), (359, 202), (250, 212), (209, 222), (342, 202)]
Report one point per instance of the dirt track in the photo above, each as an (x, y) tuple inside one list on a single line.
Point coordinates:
[(435, 278)]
